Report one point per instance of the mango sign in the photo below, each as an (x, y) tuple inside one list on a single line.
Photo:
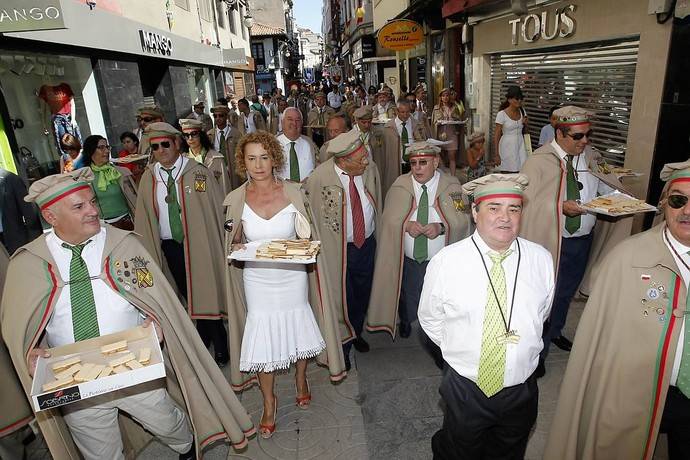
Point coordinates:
[(400, 35)]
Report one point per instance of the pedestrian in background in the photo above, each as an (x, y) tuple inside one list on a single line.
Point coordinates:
[(475, 156), (444, 120), (548, 131), (509, 142)]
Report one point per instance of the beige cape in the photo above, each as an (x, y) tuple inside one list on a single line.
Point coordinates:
[(615, 386), (324, 312), (215, 162), (389, 158), (326, 198), (193, 377), (400, 204), (229, 155), (202, 203)]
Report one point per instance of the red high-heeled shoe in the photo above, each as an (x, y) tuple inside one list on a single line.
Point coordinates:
[(303, 401), (266, 430)]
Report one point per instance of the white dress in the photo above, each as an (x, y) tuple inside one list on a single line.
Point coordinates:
[(511, 147), (280, 327)]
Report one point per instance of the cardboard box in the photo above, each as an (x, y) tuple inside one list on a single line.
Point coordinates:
[(90, 352)]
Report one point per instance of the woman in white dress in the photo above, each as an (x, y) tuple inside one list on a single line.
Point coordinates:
[(508, 139), (280, 327)]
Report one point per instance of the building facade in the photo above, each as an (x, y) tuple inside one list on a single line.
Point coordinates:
[(92, 71)]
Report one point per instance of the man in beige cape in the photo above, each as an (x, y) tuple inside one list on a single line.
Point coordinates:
[(43, 316), (224, 137), (371, 138), (397, 133), (344, 195), (414, 234), (179, 217), (335, 126), (628, 377), (317, 118)]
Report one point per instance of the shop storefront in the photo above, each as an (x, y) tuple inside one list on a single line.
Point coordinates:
[(592, 53), (67, 81)]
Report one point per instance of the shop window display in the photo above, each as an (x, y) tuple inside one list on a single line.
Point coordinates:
[(44, 98)]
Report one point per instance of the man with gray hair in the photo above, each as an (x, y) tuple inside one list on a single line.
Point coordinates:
[(301, 154)]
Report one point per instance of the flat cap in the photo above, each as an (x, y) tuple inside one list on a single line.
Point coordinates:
[(160, 129), (422, 149), (319, 94), (150, 110), (190, 124), (363, 113), (497, 186), (220, 108), (572, 115), (344, 144), (51, 189), (672, 172)]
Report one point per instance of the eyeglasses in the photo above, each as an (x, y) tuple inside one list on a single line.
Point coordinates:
[(414, 163), (677, 201), (164, 144), (580, 136), (146, 119), (104, 147), (192, 134), (219, 115)]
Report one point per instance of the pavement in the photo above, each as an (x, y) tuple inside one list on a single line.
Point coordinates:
[(388, 407)]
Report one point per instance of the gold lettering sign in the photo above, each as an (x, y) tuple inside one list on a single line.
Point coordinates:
[(400, 35)]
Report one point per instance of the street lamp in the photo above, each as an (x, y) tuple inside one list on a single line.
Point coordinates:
[(248, 19)]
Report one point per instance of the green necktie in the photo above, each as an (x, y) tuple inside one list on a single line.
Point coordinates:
[(174, 210), (294, 164), (321, 123), (84, 317), (683, 380), (404, 139), (572, 193), (222, 147), (421, 251), (492, 359)]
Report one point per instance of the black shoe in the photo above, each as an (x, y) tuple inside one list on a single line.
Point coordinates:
[(360, 345), (348, 364), (562, 343), (190, 454), (541, 369), (221, 359), (405, 330)]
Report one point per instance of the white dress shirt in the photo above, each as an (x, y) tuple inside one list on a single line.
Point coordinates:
[(114, 313), (280, 122), (335, 100), (435, 245), (591, 187), (682, 250), (304, 157), (162, 192), (249, 125), (367, 208), (225, 132), (454, 297)]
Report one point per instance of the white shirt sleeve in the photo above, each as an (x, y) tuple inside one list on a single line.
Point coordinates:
[(500, 117), (431, 312)]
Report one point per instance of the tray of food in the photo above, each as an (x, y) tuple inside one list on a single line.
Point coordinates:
[(284, 251), (451, 122), (130, 159), (605, 168), (97, 366), (618, 204)]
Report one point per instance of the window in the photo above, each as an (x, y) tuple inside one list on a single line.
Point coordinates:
[(220, 10), (182, 4), (231, 20), (258, 54), (244, 31), (204, 9)]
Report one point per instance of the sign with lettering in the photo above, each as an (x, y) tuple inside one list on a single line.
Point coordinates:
[(25, 15), (534, 26), (400, 35), (154, 43)]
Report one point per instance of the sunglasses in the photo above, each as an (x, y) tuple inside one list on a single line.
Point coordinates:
[(190, 135), (146, 119), (104, 147), (677, 201), (414, 163), (164, 144), (219, 115), (580, 136)]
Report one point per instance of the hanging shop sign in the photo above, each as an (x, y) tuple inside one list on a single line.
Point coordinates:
[(24, 15), (548, 25), (154, 43), (400, 35)]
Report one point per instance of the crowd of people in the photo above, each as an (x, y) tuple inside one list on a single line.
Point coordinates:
[(488, 262)]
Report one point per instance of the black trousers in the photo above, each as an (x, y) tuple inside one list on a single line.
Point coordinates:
[(571, 270), (210, 330), (358, 278), (479, 428), (410, 293), (675, 422)]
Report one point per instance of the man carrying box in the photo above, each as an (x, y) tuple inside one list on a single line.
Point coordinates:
[(88, 280)]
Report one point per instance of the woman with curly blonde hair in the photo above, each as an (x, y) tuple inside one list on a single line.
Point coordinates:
[(269, 302)]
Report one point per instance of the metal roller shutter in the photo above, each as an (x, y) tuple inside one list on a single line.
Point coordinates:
[(596, 76)]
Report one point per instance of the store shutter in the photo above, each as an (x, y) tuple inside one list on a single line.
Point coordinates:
[(239, 85), (597, 76)]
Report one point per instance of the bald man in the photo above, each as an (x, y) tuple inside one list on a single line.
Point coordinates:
[(335, 126)]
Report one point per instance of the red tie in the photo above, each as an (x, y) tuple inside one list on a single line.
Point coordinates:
[(357, 215)]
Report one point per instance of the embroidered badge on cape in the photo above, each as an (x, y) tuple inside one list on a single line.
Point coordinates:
[(200, 183), (144, 277)]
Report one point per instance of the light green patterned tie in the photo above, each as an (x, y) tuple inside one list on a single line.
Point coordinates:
[(492, 359), (683, 381), (84, 317), (420, 250)]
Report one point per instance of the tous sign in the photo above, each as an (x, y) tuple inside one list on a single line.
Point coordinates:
[(155, 43), (533, 26)]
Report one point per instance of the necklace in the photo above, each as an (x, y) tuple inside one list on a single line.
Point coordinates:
[(168, 196), (510, 335)]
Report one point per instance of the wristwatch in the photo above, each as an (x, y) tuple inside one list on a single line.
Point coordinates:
[(443, 228)]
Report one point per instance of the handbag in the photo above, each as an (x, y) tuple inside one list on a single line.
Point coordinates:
[(525, 135)]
